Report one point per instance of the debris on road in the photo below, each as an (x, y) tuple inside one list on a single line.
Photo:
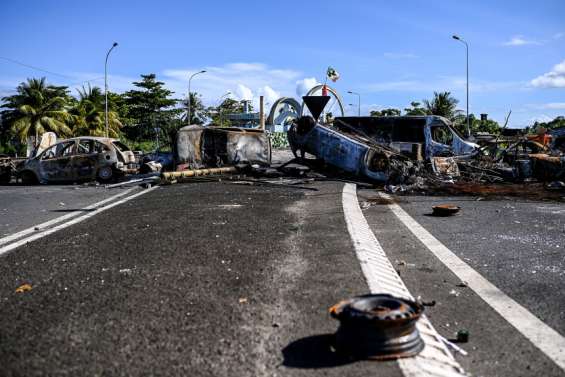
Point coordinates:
[(378, 327), (24, 288), (462, 336), (444, 210)]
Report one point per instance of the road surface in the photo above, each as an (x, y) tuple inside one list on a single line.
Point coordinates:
[(221, 279)]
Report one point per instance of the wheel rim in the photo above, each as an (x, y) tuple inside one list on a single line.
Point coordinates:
[(105, 173)]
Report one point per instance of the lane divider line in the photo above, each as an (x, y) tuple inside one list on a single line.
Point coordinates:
[(546, 339), (33, 229), (75, 220), (435, 360)]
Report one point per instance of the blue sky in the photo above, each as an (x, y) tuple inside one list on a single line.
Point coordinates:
[(390, 52)]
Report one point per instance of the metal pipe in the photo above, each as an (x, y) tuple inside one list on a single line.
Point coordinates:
[(106, 87), (189, 102), (198, 172)]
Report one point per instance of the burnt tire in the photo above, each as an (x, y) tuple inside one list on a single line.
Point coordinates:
[(5, 178), (28, 178), (105, 174)]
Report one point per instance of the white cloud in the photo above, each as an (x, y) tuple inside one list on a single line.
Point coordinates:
[(304, 85), (558, 35), (553, 79), (520, 40), (539, 118), (246, 80), (444, 83), (270, 94), (551, 106), (243, 92), (399, 55)]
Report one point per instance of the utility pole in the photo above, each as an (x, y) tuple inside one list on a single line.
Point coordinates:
[(358, 101), (106, 87), (456, 37)]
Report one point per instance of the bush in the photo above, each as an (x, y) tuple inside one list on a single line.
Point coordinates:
[(279, 140)]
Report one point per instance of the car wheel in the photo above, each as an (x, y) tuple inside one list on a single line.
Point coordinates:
[(105, 174), (28, 178)]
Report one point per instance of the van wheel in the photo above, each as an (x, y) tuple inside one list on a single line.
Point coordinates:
[(28, 178), (105, 174)]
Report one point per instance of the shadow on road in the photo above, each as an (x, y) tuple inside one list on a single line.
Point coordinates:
[(313, 352)]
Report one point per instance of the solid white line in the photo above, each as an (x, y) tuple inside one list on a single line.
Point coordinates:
[(549, 341), (435, 360), (33, 229), (76, 220)]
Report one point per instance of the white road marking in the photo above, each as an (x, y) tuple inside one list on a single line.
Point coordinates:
[(435, 359), (75, 220), (33, 229), (549, 341)]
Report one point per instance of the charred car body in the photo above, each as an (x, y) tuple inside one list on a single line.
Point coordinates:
[(198, 147), (79, 159), (373, 147)]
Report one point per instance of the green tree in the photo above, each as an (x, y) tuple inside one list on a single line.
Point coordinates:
[(228, 106), (198, 113), (385, 113), (443, 104), (149, 108), (478, 125), (88, 113), (555, 123), (415, 109), (37, 108)]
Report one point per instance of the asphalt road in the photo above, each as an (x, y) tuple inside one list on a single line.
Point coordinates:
[(22, 207), (225, 279)]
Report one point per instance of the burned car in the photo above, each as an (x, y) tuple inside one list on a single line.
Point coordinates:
[(198, 147), (79, 159)]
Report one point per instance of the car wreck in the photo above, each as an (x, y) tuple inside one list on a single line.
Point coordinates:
[(79, 159), (198, 147)]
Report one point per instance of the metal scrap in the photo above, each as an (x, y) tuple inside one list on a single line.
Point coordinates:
[(378, 327)]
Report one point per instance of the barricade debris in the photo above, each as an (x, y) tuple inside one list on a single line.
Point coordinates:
[(425, 154)]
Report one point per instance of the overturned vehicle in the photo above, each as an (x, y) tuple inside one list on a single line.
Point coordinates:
[(79, 159), (376, 148), (204, 147)]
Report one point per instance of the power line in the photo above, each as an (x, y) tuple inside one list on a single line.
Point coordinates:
[(50, 72)]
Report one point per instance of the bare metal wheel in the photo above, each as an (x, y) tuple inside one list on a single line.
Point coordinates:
[(334, 106), (105, 173)]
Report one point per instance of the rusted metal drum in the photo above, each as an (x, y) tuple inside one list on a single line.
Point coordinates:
[(378, 327)]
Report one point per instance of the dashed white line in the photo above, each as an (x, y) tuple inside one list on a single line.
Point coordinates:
[(33, 229), (435, 360), (546, 339), (75, 220)]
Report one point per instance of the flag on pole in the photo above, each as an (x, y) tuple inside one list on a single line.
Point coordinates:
[(332, 74)]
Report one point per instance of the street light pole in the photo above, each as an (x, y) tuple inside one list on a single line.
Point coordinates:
[(106, 87), (189, 104), (358, 101), (467, 56)]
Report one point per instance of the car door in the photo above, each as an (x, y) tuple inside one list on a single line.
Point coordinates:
[(56, 163), (85, 160)]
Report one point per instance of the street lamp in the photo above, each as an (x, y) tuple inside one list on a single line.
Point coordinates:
[(189, 103), (106, 87), (358, 101), (467, 54), (220, 112)]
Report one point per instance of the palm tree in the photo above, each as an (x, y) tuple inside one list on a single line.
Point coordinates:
[(87, 115), (37, 108), (443, 104)]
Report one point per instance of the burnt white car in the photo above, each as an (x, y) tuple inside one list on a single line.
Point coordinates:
[(80, 159)]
